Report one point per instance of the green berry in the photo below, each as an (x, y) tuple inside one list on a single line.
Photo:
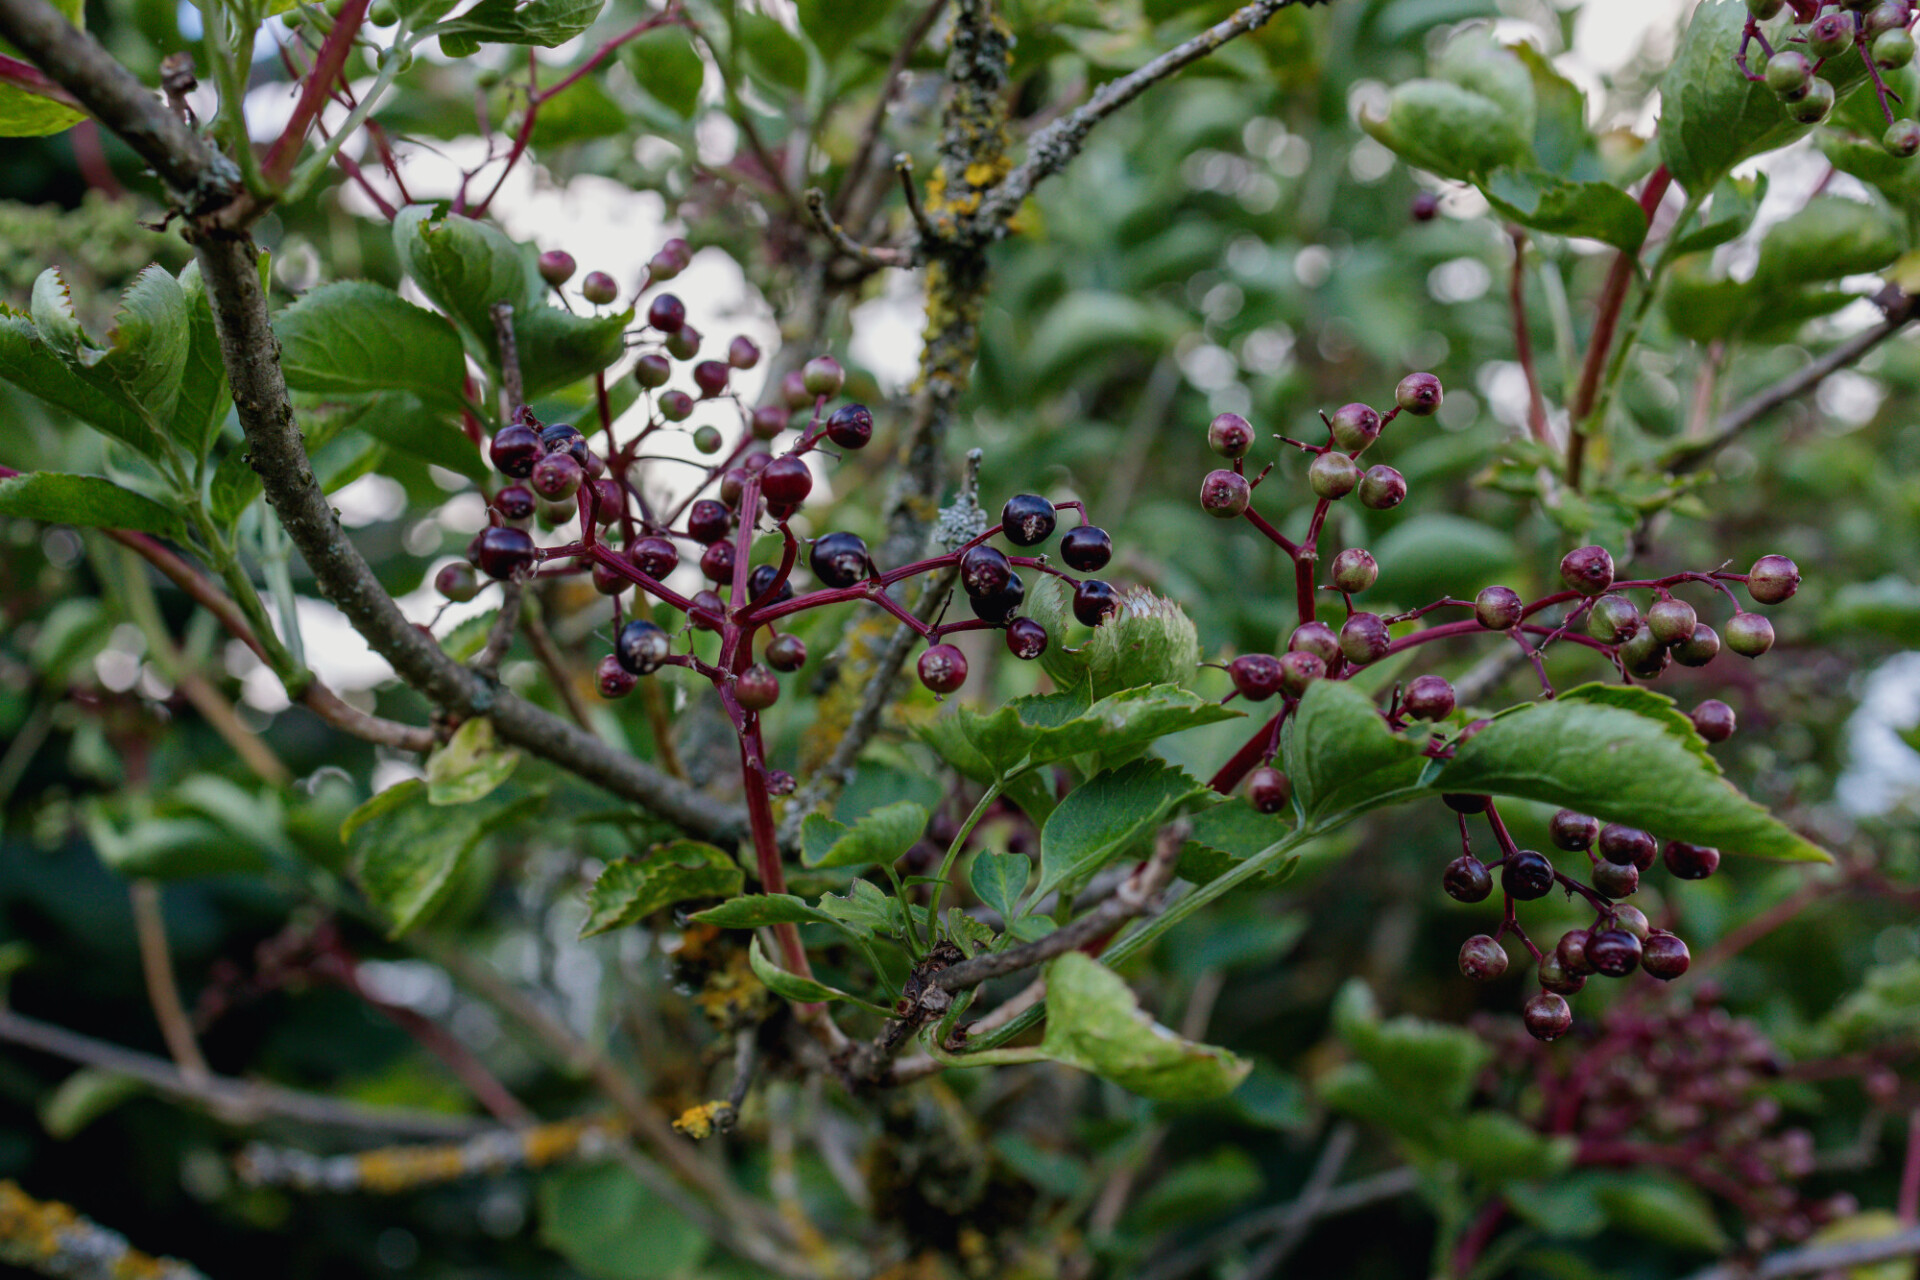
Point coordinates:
[(1354, 570), (1672, 621), (1830, 34), (1765, 10), (1902, 137), (1355, 426), (1892, 50), (1749, 634), (1816, 106), (1612, 619), (1333, 475), (1790, 75)]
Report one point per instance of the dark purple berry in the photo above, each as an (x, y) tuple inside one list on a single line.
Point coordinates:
[(1613, 619), (557, 477), (733, 485), (1613, 953), (655, 557), (1333, 475), (1749, 634), (669, 261), (943, 668), (675, 406), (793, 391), (564, 437), (1026, 639), (1355, 570), (708, 521), (1588, 570), (1230, 436), (711, 376), (787, 480), (1419, 394), (652, 371), (1425, 207), (606, 579), (1255, 675), (1672, 621), (599, 288), (1690, 861), (1002, 604), (608, 500), (1482, 959), (1428, 698), (1225, 494), (1665, 956), (716, 562), (1364, 639), (756, 688), (1574, 832), (1703, 647), (1466, 802), (708, 609), (767, 421), (1086, 549), (984, 570), (1773, 579), (642, 646), (1354, 427), (1714, 720), (743, 352), (613, 680), (786, 652), (822, 376), (557, 267), (1316, 638), (1027, 520), (667, 313), (1467, 879), (760, 581), (1298, 670), (514, 449), (1557, 978), (501, 551), (850, 426), (1269, 790), (515, 503), (1572, 952), (1498, 608), (1614, 880), (1627, 846), (1547, 1016), (839, 560), (457, 581), (1526, 875), (1382, 488), (1095, 601)]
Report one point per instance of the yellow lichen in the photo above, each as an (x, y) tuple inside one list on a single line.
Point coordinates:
[(700, 1122)]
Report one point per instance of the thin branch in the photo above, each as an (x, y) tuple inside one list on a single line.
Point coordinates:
[(163, 992), (875, 258), (540, 640), (1333, 1158), (52, 1239), (1053, 148), (513, 392), (856, 169), (1818, 1258), (1523, 338)]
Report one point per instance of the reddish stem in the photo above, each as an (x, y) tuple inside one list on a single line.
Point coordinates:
[(313, 94), (1478, 1236), (1523, 338)]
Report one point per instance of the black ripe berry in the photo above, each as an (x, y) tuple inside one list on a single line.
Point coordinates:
[(1027, 520), (1574, 832), (1429, 698), (1703, 647), (1557, 978), (1269, 790), (786, 652), (1095, 601), (1001, 605), (1498, 608), (943, 668), (1588, 570), (1467, 879), (760, 581), (1749, 634), (1547, 1016), (1690, 861), (1225, 494), (514, 449), (708, 610), (1615, 880), (839, 559), (667, 313), (641, 647), (1419, 394), (1482, 958), (1714, 720), (787, 480), (708, 521), (1364, 639), (1026, 639), (756, 688), (1255, 675), (501, 552), (1467, 802), (850, 426), (1086, 549), (1572, 952), (1628, 846), (655, 557), (1230, 436), (1382, 488), (1613, 953), (716, 562), (515, 503), (612, 679), (607, 580), (984, 571), (1665, 956), (1526, 875)]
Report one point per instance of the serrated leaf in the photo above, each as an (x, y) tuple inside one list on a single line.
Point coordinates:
[(1130, 718), (558, 348), (407, 855), (866, 909), (464, 267), (665, 63), (1454, 132), (1094, 1023), (546, 23), (204, 399), (1664, 1209), (792, 986), (1624, 754), (998, 880), (1826, 239), (754, 910), (56, 498), (1148, 641), (1596, 210), (354, 337), (469, 766), (882, 837), (1228, 834), (1106, 816), (1342, 757), (1728, 216), (632, 888), (429, 431), (1430, 1061)]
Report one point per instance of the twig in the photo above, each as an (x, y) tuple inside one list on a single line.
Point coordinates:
[(1523, 338), (540, 640), (1613, 296), (878, 259), (163, 992), (1333, 1158), (1357, 1194), (856, 169), (239, 1102), (1818, 1258), (903, 169), (513, 392)]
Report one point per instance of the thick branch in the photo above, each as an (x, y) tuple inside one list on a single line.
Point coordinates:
[(1818, 1258)]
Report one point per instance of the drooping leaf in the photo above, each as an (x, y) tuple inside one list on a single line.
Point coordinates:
[(546, 23), (92, 501), (665, 63), (1094, 1023), (771, 50), (1596, 210), (882, 837), (353, 337), (1664, 1209), (408, 855), (753, 910), (204, 399), (792, 986), (1342, 757), (558, 348), (631, 889), (464, 267), (1454, 132), (1107, 816)]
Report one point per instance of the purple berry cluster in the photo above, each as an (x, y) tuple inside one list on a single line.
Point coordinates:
[(1878, 32)]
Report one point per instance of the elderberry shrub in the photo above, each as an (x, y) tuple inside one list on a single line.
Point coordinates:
[(1641, 625), (1829, 41)]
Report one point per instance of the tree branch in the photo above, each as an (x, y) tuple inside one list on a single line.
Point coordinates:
[(1820, 1258)]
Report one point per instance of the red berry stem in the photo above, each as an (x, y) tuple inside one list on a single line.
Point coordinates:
[(1250, 754)]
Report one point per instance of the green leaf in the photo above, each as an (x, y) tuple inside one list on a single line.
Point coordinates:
[(771, 50), (558, 348), (26, 114), (546, 23), (1474, 60), (866, 909), (1453, 132), (792, 986), (464, 267), (1728, 216), (430, 432), (1130, 718), (1566, 1208), (55, 498), (882, 837), (665, 63), (233, 488), (1596, 210), (997, 744), (1432, 1062), (1342, 757), (1149, 641), (353, 337), (604, 1222), (1664, 1209), (998, 880), (202, 405), (1889, 607), (1094, 1023), (1828, 238), (408, 855), (1106, 816), (1493, 1145), (631, 889), (86, 1094), (468, 766), (170, 847), (1228, 834), (1624, 754), (30, 363), (754, 910), (833, 25)]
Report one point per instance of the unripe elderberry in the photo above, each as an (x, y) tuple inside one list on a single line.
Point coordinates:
[(1612, 619), (1428, 698), (1316, 638), (1482, 959), (1230, 436), (756, 688), (1364, 639), (1354, 427), (1614, 880), (1749, 634), (1333, 475), (599, 288), (1714, 720), (1225, 494), (1498, 608), (1773, 579), (1672, 621), (1382, 488), (557, 477), (1829, 35), (1588, 570), (1419, 394), (823, 376), (557, 267), (1702, 647), (1790, 75), (1354, 570), (612, 679), (1298, 670), (1556, 977), (667, 313), (457, 581), (1816, 105), (1547, 1016), (652, 370)]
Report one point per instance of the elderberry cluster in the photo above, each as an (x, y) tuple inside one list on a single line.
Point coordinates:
[(1879, 32)]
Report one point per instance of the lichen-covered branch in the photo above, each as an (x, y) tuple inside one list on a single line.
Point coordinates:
[(54, 1240)]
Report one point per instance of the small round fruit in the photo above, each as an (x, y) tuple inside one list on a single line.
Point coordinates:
[(1086, 549), (839, 559), (1573, 832), (675, 406), (1816, 106), (667, 313), (1902, 138), (716, 563), (1000, 606), (1612, 619), (599, 288), (1482, 959), (1225, 494), (607, 580), (1230, 436), (1632, 919), (823, 376), (1700, 648), (457, 581), (1547, 1016), (557, 477), (1316, 638), (1527, 875), (655, 557), (1419, 394), (1627, 846), (1588, 570), (557, 267), (768, 421), (1498, 608), (641, 647), (1893, 50), (670, 260), (708, 521), (514, 449), (1255, 675), (1614, 880), (743, 352), (1789, 74), (850, 426), (1749, 634), (1269, 790), (760, 582), (1026, 639), (1665, 956), (787, 480), (1354, 427), (793, 391), (1613, 953), (1298, 670), (1557, 978), (943, 668), (1426, 205), (1888, 15), (756, 688), (1572, 952), (1354, 570), (711, 377), (984, 570), (1690, 861), (1027, 520), (707, 440), (652, 370), (1714, 720), (1765, 10), (708, 609), (1382, 488), (1095, 601), (1333, 475), (612, 679), (516, 504), (1467, 879), (1428, 698), (1830, 34), (1773, 580), (501, 551), (1364, 639), (1672, 621), (1467, 802)]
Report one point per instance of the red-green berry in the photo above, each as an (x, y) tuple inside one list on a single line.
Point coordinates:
[(1572, 952), (943, 668), (1672, 621), (1382, 488), (1888, 15), (1230, 436), (1526, 875), (839, 559), (786, 652), (1765, 10), (1714, 720), (667, 313), (1690, 861), (1255, 675), (1482, 959), (1700, 648), (1651, 665), (514, 449), (557, 477), (984, 570), (1893, 50), (684, 343), (1627, 846), (1298, 670), (557, 267), (1095, 601), (1613, 953), (767, 421), (1269, 790), (1225, 494), (1632, 919), (1547, 1016), (1612, 619), (1588, 570), (1641, 647), (1773, 580), (1026, 639), (787, 480), (1498, 608), (675, 406), (743, 352), (756, 688), (515, 503), (599, 288), (641, 647), (1815, 106), (1467, 802), (1467, 879), (1789, 74), (1354, 570), (1027, 520), (1354, 427), (1333, 475), (1364, 639), (612, 679), (823, 376), (1902, 138), (850, 426), (1428, 698), (716, 562), (457, 581), (1316, 638), (1749, 634), (708, 521), (707, 440), (733, 486), (1614, 880), (1419, 394), (652, 370), (1830, 34), (1086, 549), (501, 551), (1557, 978), (1665, 956), (1573, 832)]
